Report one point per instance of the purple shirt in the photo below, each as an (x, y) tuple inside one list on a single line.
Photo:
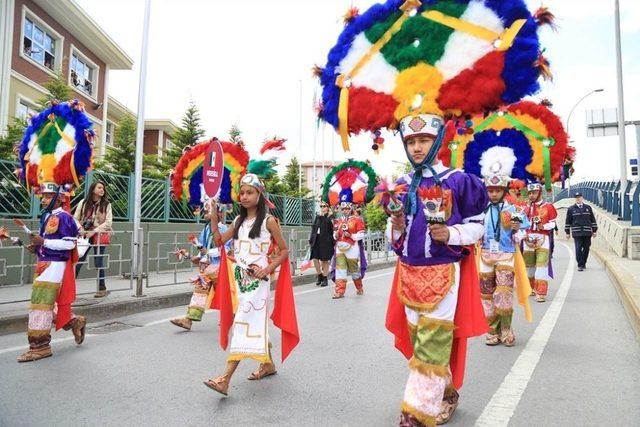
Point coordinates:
[(65, 229), (468, 200)]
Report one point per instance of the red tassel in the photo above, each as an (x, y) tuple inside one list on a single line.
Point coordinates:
[(544, 17), (542, 64), (350, 15), (317, 71)]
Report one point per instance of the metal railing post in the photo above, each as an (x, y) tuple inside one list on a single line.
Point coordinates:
[(167, 200)]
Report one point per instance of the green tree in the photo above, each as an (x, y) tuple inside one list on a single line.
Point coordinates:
[(58, 89), (235, 134), (186, 136), (375, 217), (120, 157), (11, 140), (151, 167), (291, 180)]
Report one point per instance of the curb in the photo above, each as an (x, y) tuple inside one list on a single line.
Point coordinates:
[(619, 278), (110, 310)]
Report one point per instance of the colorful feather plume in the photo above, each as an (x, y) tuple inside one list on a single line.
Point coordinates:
[(445, 57), (388, 194), (57, 146), (527, 139), (186, 179), (352, 181)]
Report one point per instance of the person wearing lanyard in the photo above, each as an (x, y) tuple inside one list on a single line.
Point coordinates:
[(504, 228)]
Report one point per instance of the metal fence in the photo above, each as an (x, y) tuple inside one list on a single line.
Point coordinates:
[(621, 199), (160, 265), (157, 204)]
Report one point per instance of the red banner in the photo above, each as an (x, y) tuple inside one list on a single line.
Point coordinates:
[(213, 168)]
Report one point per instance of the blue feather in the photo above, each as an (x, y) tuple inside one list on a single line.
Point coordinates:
[(225, 189), (510, 138), (195, 192)]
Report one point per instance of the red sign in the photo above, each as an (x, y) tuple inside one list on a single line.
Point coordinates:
[(213, 168)]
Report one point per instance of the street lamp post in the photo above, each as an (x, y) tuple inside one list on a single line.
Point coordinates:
[(576, 105), (569, 122)]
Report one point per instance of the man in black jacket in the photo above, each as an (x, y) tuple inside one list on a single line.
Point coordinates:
[(581, 223)]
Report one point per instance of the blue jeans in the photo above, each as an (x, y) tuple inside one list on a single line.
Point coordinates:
[(98, 264)]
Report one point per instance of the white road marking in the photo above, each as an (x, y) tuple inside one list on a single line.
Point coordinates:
[(503, 404), (161, 321)]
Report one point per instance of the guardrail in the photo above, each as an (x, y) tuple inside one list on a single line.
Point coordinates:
[(616, 197), (157, 204), (160, 266)]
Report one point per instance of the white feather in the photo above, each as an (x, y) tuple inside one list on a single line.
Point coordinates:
[(377, 74), (63, 148), (463, 50), (505, 157)]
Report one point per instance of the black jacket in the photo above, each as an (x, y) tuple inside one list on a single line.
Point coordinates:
[(325, 226), (580, 221)]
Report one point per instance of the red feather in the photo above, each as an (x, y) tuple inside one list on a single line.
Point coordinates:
[(477, 89), (276, 144), (363, 117), (62, 172), (543, 16)]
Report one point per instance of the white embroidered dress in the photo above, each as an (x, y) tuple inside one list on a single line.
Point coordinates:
[(250, 338)]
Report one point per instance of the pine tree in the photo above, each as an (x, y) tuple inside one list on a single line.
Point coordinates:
[(187, 135), (58, 89), (235, 134), (120, 157), (291, 180), (151, 167), (11, 140)]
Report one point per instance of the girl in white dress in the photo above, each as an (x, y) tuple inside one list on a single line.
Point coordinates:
[(252, 232)]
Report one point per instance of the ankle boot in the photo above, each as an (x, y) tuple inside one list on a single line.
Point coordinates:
[(325, 281), (319, 280)]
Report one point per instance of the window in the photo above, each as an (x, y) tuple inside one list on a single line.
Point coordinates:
[(82, 74), (23, 109), (108, 137), (39, 44)]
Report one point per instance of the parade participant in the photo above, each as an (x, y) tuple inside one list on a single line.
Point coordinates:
[(500, 258), (208, 261), (542, 217), (249, 269), (348, 233), (349, 183), (187, 188), (55, 154), (407, 65)]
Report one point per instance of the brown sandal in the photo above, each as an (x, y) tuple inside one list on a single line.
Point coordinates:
[(262, 372), (219, 384), (449, 405), (492, 340)]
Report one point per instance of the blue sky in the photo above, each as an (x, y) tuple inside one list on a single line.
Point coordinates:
[(245, 62)]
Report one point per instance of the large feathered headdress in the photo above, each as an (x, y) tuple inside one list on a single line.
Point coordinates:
[(56, 151), (186, 179), (406, 58), (352, 182), (526, 141)]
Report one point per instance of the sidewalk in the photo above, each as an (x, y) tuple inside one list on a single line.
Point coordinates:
[(121, 302), (624, 272)]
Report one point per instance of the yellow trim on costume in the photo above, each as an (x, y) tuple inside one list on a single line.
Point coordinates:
[(246, 333), (432, 323), (506, 38), (262, 358), (341, 80), (46, 285), (503, 289), (504, 312), (426, 420), (522, 285), (42, 307), (503, 267), (428, 369)]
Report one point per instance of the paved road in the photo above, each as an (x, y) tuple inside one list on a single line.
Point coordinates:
[(581, 368)]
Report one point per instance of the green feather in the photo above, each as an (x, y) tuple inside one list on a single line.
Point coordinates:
[(262, 168)]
